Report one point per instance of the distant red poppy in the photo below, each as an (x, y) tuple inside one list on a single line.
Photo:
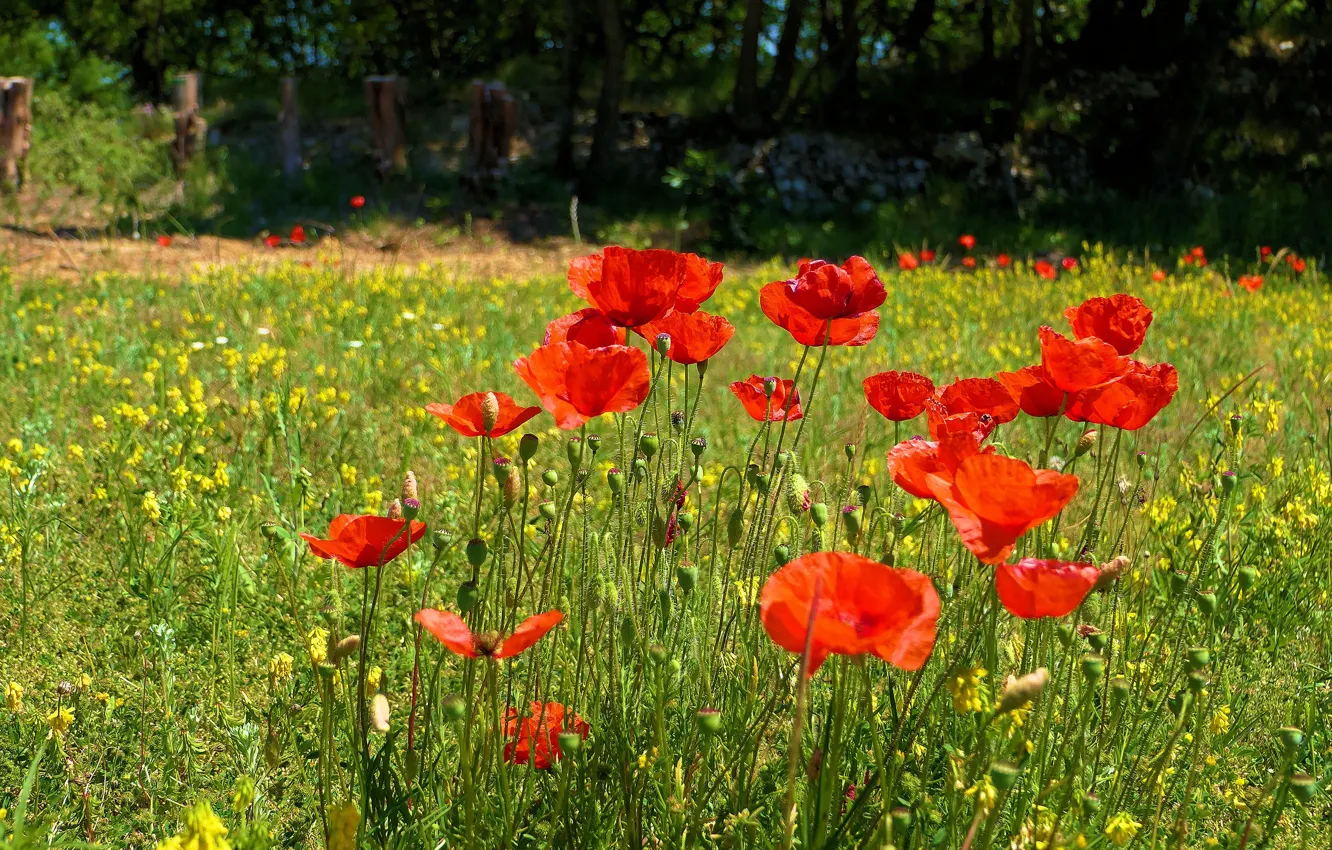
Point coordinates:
[(164, 241), (784, 404), (862, 607), (1045, 269), (969, 262), (468, 415), (1202, 262), (1296, 263), (967, 241), (357, 201), (1034, 587), (359, 541), (993, 500), (1121, 320), (297, 235), (821, 293), (907, 261), (588, 326), (1159, 275), (1251, 282), (272, 240), (1127, 402), (1076, 364), (632, 287), (576, 383), (1069, 263), (926, 255), (1003, 261), (536, 738), (898, 396), (1034, 392), (1198, 252), (451, 631), (1187, 259), (1265, 252), (982, 396), (695, 337)]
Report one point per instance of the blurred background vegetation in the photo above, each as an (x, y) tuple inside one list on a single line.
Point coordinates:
[(761, 126)]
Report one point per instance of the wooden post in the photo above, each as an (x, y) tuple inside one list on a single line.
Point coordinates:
[(385, 99), (290, 122), (493, 118), (190, 126), (15, 130)]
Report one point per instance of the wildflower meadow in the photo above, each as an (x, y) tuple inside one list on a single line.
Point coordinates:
[(923, 549)]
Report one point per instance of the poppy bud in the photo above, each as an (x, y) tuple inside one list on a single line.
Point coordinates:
[(527, 446), (1004, 775), (1247, 577), (410, 508), (863, 494), (797, 494), (698, 445), (852, 515), (344, 647), (769, 387), (379, 713), (512, 491), (467, 597), (1303, 786), (1018, 691), (628, 630), (1236, 424), (547, 510), (1199, 657), (781, 554), (659, 529), (1228, 481), (698, 472), (640, 469), (1119, 691), (662, 343), (593, 443), (569, 742), (500, 468), (411, 765), (1064, 632), (1179, 582), (1207, 601), (395, 509), (678, 420), (454, 708), (1093, 667), (685, 520), (687, 577), (735, 527), (574, 451), (490, 410), (440, 539), (819, 513), (648, 444), (657, 654), (409, 487), (615, 480), (709, 721), (782, 459), (1111, 571), (849, 450), (702, 367), (476, 551), (1085, 442), (1291, 738)]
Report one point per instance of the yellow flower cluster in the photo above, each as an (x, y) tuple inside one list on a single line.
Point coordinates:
[(202, 831), (1121, 828), (967, 690)]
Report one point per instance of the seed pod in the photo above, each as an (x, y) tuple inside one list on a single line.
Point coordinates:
[(615, 480), (1064, 632), (550, 478), (454, 708), (1236, 424), (1247, 577), (1179, 582), (649, 444), (662, 343), (574, 451), (527, 446), (440, 539), (781, 554), (476, 551), (853, 515), (1085, 442), (1304, 787), (709, 721), (546, 510), (1291, 738), (735, 527), (1093, 668), (569, 742), (1197, 682), (685, 520), (1199, 657), (592, 443), (819, 513), (1119, 692), (410, 508), (849, 450), (698, 445), (687, 576), (1004, 775), (769, 387), (640, 469), (1207, 601), (863, 494), (468, 595), (501, 468), (1228, 481)]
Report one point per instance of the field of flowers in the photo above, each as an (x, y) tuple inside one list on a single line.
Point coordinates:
[(924, 551)]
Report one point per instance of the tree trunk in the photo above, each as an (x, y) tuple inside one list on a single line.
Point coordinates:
[(917, 25), (744, 105), (987, 33), (846, 85), (15, 130), (783, 66), (569, 68), (604, 137), (290, 123)]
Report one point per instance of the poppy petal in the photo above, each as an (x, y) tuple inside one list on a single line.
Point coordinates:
[(898, 396), (449, 629), (695, 337), (1074, 365), (588, 326), (1120, 320), (1034, 587), (529, 631)]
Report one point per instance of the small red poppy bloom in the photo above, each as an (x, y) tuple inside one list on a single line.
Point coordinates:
[(164, 241), (1159, 275), (357, 201), (587, 326), (967, 241), (993, 500), (1003, 261), (1187, 259), (898, 396), (695, 337), (926, 255), (861, 607), (1121, 320), (1069, 263), (1045, 269), (1034, 588), (272, 240), (1198, 252), (632, 287), (826, 304), (451, 631), (969, 262), (1251, 282), (468, 415), (1076, 364), (536, 738), (1035, 393), (576, 383), (360, 541), (982, 396), (784, 404), (1202, 262), (907, 261), (1296, 264), (297, 235), (1128, 402), (1265, 252)]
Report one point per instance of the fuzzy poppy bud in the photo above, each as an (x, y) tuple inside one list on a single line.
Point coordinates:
[(1119, 692), (735, 527), (490, 411), (1199, 657), (379, 713), (476, 551), (782, 459), (659, 529), (1093, 667), (570, 742), (685, 520), (527, 446), (501, 467), (781, 554), (649, 444), (853, 515), (628, 630), (687, 577), (512, 491), (819, 513), (698, 445), (797, 494), (702, 367), (1179, 582), (657, 654), (1228, 481), (593, 443), (1111, 571), (849, 450), (1085, 442), (550, 478), (1303, 786), (1292, 738), (1021, 690), (901, 820), (709, 721), (411, 765), (546, 510), (454, 708), (1247, 577), (395, 509), (615, 480), (662, 343), (410, 508), (467, 596), (1004, 775), (574, 451), (344, 647), (769, 387), (1207, 601), (409, 490)]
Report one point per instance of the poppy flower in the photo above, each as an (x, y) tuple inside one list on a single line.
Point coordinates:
[(701, 280), (360, 541), (469, 414), (1003, 261), (1069, 263), (587, 326), (1033, 390), (1296, 264), (1128, 402), (536, 738), (695, 337), (969, 262), (1198, 252), (1265, 252), (1034, 587), (1045, 269), (926, 255), (907, 261), (1076, 364), (967, 241), (784, 404), (982, 396), (451, 631), (1159, 275), (272, 240), (633, 288), (297, 235), (357, 201), (861, 607), (1121, 320), (1251, 282), (898, 396), (1187, 259), (164, 241), (576, 383), (781, 302), (993, 500), (912, 462)]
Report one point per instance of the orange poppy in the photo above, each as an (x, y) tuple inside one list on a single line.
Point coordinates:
[(969, 262), (164, 241), (1076, 364), (1128, 402), (926, 255), (357, 201), (1159, 275), (821, 293), (1003, 261), (1251, 282), (1035, 393), (862, 607), (701, 280), (451, 631), (633, 288), (365, 540), (993, 500), (784, 404), (967, 241), (912, 462), (1045, 269), (906, 261), (468, 415), (982, 396), (588, 326), (536, 738), (1121, 320), (1034, 587), (1069, 263), (273, 240), (297, 235), (898, 396), (695, 337), (576, 383)]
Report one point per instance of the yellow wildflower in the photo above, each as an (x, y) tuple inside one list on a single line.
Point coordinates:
[(14, 697), (1121, 828), (60, 720)]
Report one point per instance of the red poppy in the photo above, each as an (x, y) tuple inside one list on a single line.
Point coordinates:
[(695, 337), (1076, 364), (1032, 388), (1251, 282), (1296, 263), (1003, 261), (1034, 587), (1187, 259), (912, 462), (1121, 320), (357, 201), (907, 261), (784, 404), (1202, 262), (1198, 252), (468, 415), (701, 280), (543, 726), (272, 240), (164, 241), (1265, 252), (1158, 275), (576, 383), (633, 288), (993, 500), (451, 631), (360, 540), (297, 235), (587, 326), (1045, 269), (898, 396), (862, 607), (967, 241), (926, 255), (1069, 263), (1128, 402), (826, 303), (982, 396), (969, 262)]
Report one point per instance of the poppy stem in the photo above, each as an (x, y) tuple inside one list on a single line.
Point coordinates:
[(798, 723)]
